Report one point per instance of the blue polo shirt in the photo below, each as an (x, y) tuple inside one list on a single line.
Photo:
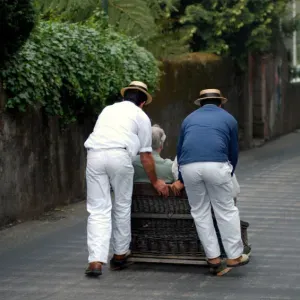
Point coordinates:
[(209, 134)]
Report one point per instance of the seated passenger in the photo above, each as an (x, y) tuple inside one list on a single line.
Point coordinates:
[(163, 166)]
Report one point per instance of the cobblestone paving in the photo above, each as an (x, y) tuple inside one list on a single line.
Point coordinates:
[(41, 260)]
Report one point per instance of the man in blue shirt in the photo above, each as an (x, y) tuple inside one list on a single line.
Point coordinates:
[(207, 155)]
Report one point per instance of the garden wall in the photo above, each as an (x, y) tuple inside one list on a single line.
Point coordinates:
[(40, 166)]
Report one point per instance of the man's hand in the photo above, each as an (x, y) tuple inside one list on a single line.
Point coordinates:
[(176, 187), (161, 187)]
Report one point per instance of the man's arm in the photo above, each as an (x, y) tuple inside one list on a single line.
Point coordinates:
[(145, 137), (177, 187), (179, 148), (148, 163), (234, 146)]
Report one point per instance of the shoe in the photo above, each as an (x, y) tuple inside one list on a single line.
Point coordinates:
[(120, 262), (243, 260), (221, 269), (94, 269), (211, 265)]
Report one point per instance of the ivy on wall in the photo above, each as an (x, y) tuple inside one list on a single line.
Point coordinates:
[(70, 69)]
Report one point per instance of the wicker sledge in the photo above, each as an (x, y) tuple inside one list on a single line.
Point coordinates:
[(163, 230)]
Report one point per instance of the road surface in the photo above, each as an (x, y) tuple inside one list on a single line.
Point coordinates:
[(46, 258)]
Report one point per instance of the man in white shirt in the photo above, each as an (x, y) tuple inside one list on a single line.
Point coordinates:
[(122, 130)]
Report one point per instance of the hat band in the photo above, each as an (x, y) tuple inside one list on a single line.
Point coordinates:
[(211, 95), (140, 87)]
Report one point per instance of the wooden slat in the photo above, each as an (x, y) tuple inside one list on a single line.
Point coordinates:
[(181, 257), (161, 216), (166, 261)]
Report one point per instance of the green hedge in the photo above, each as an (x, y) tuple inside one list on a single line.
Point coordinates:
[(17, 19), (72, 69)]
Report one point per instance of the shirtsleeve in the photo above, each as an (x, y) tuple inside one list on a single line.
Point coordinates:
[(144, 132)]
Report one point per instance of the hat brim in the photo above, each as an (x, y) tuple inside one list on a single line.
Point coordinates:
[(149, 97), (198, 101)]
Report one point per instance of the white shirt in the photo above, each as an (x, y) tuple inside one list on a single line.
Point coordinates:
[(122, 125)]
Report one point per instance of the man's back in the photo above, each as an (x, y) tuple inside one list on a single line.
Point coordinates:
[(118, 126), (209, 134)]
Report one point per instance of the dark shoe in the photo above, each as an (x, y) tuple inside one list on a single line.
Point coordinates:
[(212, 265), (94, 269), (220, 270), (120, 262)]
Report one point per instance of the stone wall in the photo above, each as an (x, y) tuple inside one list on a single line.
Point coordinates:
[(40, 166), (275, 105)]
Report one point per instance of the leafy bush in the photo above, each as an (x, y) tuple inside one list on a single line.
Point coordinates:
[(17, 19), (233, 28), (70, 69)]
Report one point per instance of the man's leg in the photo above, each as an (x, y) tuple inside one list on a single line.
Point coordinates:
[(121, 178), (99, 207), (219, 187), (201, 209)]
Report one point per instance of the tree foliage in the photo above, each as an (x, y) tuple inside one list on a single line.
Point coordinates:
[(170, 27), (146, 20), (231, 27), (133, 17), (17, 19), (72, 69)]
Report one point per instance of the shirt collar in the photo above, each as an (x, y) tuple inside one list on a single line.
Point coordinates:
[(131, 103), (210, 107), (127, 101)]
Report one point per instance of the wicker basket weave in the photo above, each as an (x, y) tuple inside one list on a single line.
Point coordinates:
[(164, 227)]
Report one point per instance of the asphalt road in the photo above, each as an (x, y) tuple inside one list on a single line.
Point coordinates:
[(46, 258)]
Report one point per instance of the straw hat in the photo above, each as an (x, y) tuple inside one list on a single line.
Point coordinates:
[(138, 85), (210, 94)]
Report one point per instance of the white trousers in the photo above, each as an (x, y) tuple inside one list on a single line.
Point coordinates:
[(235, 187), (210, 184), (105, 168)]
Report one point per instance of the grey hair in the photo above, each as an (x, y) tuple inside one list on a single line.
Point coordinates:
[(158, 137)]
